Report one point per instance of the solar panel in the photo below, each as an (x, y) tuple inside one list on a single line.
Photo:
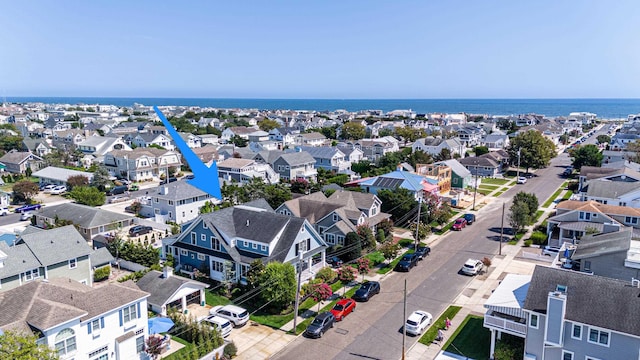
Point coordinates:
[(389, 183)]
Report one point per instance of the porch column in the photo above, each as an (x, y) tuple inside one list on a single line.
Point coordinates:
[(183, 300), (323, 258), (493, 344)]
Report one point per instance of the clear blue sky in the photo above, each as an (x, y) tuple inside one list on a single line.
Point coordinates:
[(321, 49)]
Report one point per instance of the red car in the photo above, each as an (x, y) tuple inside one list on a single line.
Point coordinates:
[(459, 224), (343, 308)]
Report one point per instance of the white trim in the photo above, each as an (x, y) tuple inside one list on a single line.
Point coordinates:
[(599, 330), (531, 321), (573, 326), (564, 352)]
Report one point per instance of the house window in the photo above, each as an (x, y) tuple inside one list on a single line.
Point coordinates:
[(73, 263), (340, 240), (129, 313), (170, 202), (203, 237), (533, 321), (93, 354), (335, 217), (204, 224), (65, 342), (193, 238), (330, 238), (217, 266), (585, 215), (140, 344), (95, 325), (590, 358), (33, 274), (263, 247), (587, 265), (631, 220), (623, 204), (598, 337), (201, 257), (576, 331), (215, 243), (156, 199), (254, 245), (183, 252)]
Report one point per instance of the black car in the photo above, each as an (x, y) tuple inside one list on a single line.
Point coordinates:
[(189, 177), (323, 322), (118, 190), (366, 291), (422, 251), (170, 180), (139, 230), (470, 218), (407, 262), (334, 261)]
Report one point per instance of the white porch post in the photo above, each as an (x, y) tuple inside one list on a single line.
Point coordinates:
[(493, 344), (323, 258), (183, 300)]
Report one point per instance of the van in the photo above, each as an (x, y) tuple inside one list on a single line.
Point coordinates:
[(237, 315), (118, 190)]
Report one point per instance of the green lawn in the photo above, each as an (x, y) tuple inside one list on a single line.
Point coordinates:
[(385, 269), (431, 333), (484, 191), (471, 339), (493, 181), (553, 197), (375, 258), (180, 354), (215, 299), (567, 195), (490, 187), (499, 193), (538, 214)]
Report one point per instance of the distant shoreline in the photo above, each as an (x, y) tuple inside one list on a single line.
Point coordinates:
[(604, 108)]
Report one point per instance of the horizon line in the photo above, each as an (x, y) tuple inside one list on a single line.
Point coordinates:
[(318, 98)]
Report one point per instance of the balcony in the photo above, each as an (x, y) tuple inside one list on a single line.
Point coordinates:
[(506, 325)]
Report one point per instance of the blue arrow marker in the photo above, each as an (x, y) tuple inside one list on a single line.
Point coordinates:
[(206, 178)]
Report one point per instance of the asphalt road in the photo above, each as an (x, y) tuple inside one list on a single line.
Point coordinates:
[(373, 331)]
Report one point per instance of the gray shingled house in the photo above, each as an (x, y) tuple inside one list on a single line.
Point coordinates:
[(171, 292)]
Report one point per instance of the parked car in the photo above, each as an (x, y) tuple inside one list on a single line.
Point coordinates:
[(407, 262), (118, 198), (190, 177), (118, 190), (4, 211), (140, 230), (550, 251), (26, 215), (459, 224), (237, 315), (134, 188), (567, 172), (366, 291), (58, 190), (25, 208), (169, 180), (422, 251), (521, 180), (471, 218), (219, 323), (343, 308), (417, 322), (323, 322), (46, 187), (334, 261), (472, 267)]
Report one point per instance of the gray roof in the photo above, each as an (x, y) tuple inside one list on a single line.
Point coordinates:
[(610, 189), (478, 161), (603, 244), (19, 260), (247, 223), (179, 190), (320, 152), (56, 245), (456, 167), (60, 174), (297, 158), (100, 257), (161, 289), (45, 304), (32, 144), (16, 157), (591, 299), (82, 215)]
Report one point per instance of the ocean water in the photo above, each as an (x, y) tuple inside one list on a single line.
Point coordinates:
[(604, 108)]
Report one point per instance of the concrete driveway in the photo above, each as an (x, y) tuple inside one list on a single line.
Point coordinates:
[(255, 341)]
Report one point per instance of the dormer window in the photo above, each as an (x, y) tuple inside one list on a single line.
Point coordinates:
[(585, 215), (335, 217)]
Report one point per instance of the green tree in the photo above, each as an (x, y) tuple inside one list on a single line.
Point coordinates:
[(603, 139), (329, 132), (389, 250), (77, 180), (364, 265), (10, 142), (320, 292), (277, 194), (536, 151), (409, 134), (88, 195), (256, 269), (353, 130), (268, 124), (519, 216), (480, 150), (587, 155), (278, 284), (445, 154), (423, 230), (346, 274), (25, 190), (353, 246), (207, 207), (361, 167), (101, 178), (238, 141), (366, 234), (530, 199), (23, 346), (397, 202)]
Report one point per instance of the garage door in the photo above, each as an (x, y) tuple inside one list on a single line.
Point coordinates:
[(193, 298)]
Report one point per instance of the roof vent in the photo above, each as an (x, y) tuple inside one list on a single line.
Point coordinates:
[(247, 222), (561, 289)]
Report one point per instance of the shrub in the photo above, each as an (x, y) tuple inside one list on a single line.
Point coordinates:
[(326, 274), (102, 273), (230, 350), (406, 242), (527, 243), (306, 287), (538, 237)]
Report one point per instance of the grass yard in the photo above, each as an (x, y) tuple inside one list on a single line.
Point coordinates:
[(182, 353), (484, 191), (215, 299), (538, 214), (499, 193), (553, 197), (490, 187), (493, 181), (567, 195), (431, 333), (375, 258), (470, 339)]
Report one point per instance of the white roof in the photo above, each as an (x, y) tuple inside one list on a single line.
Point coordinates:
[(508, 298), (60, 174)]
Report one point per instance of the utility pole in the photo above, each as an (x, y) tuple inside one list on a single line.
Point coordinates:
[(501, 229), (295, 310), (475, 186), (518, 171), (418, 224), (404, 319)]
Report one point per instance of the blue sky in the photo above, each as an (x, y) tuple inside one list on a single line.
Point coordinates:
[(321, 49)]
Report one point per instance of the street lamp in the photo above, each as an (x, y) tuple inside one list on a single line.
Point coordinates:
[(475, 185), (518, 170)]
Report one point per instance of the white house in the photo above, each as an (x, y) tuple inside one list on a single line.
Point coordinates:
[(177, 201)]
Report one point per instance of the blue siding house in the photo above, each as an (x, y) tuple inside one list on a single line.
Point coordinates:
[(224, 243)]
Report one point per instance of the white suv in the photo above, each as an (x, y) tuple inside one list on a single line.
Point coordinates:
[(472, 267), (237, 315), (220, 324), (4, 211), (550, 251)]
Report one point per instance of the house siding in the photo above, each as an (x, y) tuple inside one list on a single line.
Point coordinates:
[(82, 271)]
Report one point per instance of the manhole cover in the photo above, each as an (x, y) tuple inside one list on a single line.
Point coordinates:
[(342, 331)]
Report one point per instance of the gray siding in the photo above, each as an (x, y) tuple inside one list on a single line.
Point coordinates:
[(10, 282), (81, 272)]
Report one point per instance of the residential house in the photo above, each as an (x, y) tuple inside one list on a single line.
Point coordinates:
[(339, 214), (286, 136), (572, 315), (69, 139), (461, 177), (227, 241), (177, 201), (90, 221), (441, 173), (240, 131), (209, 139), (351, 155), (296, 165), (575, 219), (374, 149), (39, 147), (416, 184), (169, 292), (482, 166), (434, 146), (59, 176), (141, 164), (244, 170), (79, 321), (46, 254), (610, 185), (496, 141), (258, 136), (470, 135), (144, 140), (612, 156), (17, 162), (99, 146), (328, 158), (193, 141), (208, 154), (310, 139)]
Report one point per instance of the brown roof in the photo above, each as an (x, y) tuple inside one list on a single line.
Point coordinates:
[(138, 152), (235, 163), (596, 207)]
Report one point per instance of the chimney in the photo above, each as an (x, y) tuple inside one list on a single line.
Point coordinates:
[(164, 190), (167, 272)]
